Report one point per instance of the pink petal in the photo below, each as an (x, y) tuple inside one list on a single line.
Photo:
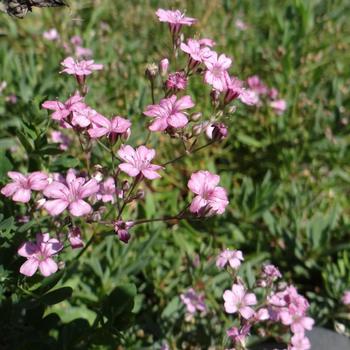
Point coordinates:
[(29, 267), (16, 176), (159, 124), (197, 203), (246, 312), (56, 190), (178, 120), (150, 174), (10, 189), (79, 208), (22, 195), (90, 188), (184, 102), (129, 169), (27, 249), (95, 132), (250, 299), (38, 181), (56, 206), (48, 267)]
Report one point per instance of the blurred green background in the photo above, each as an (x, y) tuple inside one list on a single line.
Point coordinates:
[(287, 175)]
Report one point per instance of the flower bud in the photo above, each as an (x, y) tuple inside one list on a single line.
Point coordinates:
[(151, 71), (121, 228), (74, 237), (196, 116), (125, 186), (217, 131), (164, 66)]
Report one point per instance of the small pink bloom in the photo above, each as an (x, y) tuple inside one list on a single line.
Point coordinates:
[(21, 187), (193, 301), (196, 52), (107, 191), (169, 112), (79, 68), (238, 300), (76, 40), (62, 139), (164, 66), (279, 106), (102, 126), (175, 19), (257, 85), (83, 117), (81, 52), (51, 35), (70, 195), (210, 198), (346, 298), (176, 81), (271, 271), (215, 74), (231, 257), (207, 42), (238, 335), (39, 255), (299, 342), (273, 93), (138, 162), (121, 228), (240, 25), (63, 109), (234, 89), (74, 237)]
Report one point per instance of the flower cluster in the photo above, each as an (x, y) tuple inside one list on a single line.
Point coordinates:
[(100, 193), (281, 304)]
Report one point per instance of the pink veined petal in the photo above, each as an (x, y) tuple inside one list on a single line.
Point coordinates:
[(90, 188), (307, 323), (56, 206), (120, 124), (53, 105), (53, 247), (56, 190), (29, 267), (96, 132), (127, 153), (197, 203), (184, 102), (47, 267), (22, 195), (79, 208), (10, 189), (146, 153), (238, 291), (16, 176), (27, 249), (38, 181), (159, 124), (177, 120), (129, 169), (150, 174), (250, 299), (100, 120), (246, 312)]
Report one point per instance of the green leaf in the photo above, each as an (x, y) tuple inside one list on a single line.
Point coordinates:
[(56, 296), (249, 141)]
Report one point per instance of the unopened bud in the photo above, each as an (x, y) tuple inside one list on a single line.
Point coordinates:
[(219, 131), (151, 71), (196, 116), (125, 186), (140, 194), (164, 66)]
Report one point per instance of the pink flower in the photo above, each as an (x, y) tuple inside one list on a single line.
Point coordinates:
[(346, 298), (64, 109), (79, 68), (138, 162), (74, 237), (176, 81), (84, 117), (216, 131), (299, 342), (237, 300), (196, 52), (39, 255), (70, 195), (234, 89), (21, 188), (296, 320), (62, 139), (231, 257), (176, 19), (271, 271), (216, 70), (102, 126), (121, 228), (210, 198), (107, 191), (76, 40), (238, 335), (279, 106), (240, 25), (169, 112), (193, 301), (83, 52), (256, 84), (207, 42), (262, 314), (51, 35)]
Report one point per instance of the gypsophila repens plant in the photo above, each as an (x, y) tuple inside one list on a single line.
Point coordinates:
[(107, 195)]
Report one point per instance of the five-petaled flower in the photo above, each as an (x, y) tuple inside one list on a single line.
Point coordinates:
[(210, 198), (231, 257), (79, 68), (138, 162), (70, 194), (39, 255), (169, 112), (238, 300), (217, 66), (193, 301), (22, 186), (176, 19)]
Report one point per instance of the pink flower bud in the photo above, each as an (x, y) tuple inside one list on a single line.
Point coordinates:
[(164, 66), (74, 237)]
